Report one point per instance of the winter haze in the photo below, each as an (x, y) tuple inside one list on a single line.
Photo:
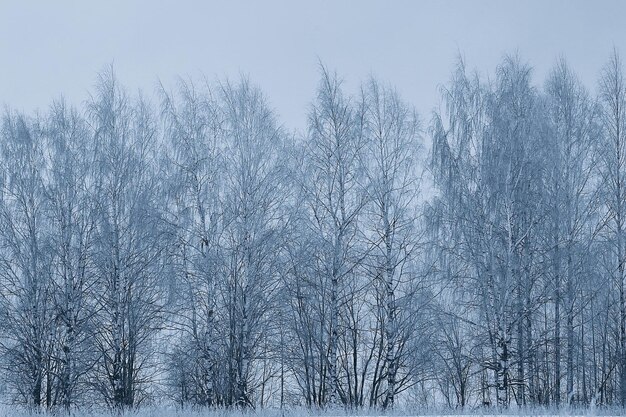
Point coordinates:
[(312, 208), (59, 46)]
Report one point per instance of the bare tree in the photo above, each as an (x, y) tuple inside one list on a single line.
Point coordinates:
[(69, 190), (392, 131), (613, 99), (192, 134), (128, 243), (335, 196), (571, 195), (26, 262), (253, 237)]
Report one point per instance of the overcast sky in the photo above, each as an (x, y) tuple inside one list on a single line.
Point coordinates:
[(51, 48)]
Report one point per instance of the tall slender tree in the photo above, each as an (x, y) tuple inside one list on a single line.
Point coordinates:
[(129, 243), (336, 197), (392, 144), (613, 99)]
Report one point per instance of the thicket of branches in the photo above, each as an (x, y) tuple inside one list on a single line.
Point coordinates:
[(190, 250)]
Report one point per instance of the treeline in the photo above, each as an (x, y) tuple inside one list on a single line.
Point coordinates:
[(190, 250)]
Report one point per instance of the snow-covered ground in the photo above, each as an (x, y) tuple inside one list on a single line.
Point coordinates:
[(11, 411)]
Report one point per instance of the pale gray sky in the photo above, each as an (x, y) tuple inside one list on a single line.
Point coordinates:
[(51, 48)]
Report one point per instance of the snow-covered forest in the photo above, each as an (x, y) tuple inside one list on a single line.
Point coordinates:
[(182, 247)]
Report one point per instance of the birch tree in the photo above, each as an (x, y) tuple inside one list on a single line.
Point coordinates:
[(192, 133), (484, 164), (69, 190), (253, 237), (335, 197), (128, 243), (613, 99), (571, 117), (392, 138), (26, 262)]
